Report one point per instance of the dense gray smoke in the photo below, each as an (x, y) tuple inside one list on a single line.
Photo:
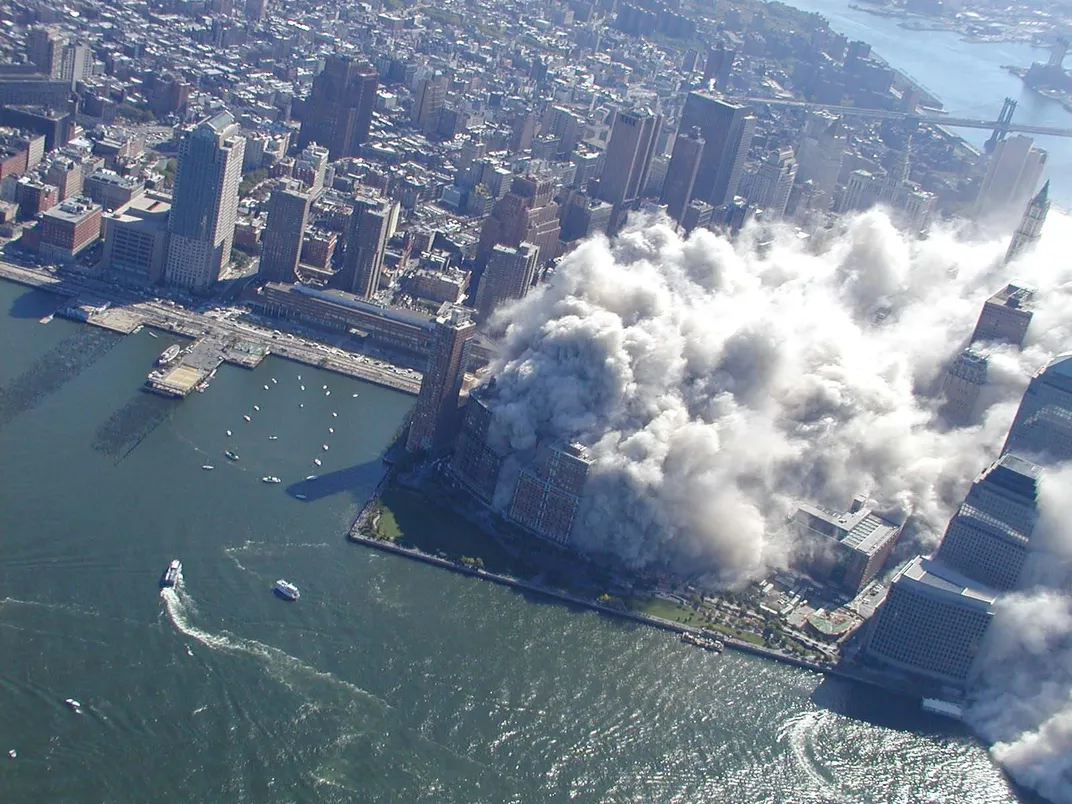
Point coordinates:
[(716, 384), (1024, 693)]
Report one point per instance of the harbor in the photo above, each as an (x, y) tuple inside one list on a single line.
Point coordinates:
[(216, 341)]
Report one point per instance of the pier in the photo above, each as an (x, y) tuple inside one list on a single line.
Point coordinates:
[(90, 301)]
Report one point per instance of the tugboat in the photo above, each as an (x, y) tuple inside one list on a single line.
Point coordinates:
[(172, 574), (286, 590)]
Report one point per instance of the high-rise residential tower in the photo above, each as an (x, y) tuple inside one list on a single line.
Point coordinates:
[(1030, 228), (204, 202), (339, 109), (436, 413), (507, 276), (727, 130), (371, 226), (288, 213)]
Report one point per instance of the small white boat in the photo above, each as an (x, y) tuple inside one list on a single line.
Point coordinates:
[(266, 388), (173, 574), (327, 393), (270, 479), (274, 382), (73, 704), (246, 417), (353, 396), (153, 335), (299, 378), (208, 467), (311, 477), (331, 429), (257, 408), (301, 404), (300, 497), (325, 447), (324, 388), (286, 590), (334, 415), (273, 438), (228, 433), (12, 753), (316, 461), (303, 387)]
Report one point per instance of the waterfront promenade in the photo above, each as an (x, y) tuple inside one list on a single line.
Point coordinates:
[(126, 311)]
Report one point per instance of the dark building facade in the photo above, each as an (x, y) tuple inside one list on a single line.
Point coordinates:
[(338, 112)]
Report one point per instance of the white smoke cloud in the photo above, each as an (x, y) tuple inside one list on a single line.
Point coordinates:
[(1023, 693), (717, 384)]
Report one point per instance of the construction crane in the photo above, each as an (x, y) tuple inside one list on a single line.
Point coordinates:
[(1000, 127)]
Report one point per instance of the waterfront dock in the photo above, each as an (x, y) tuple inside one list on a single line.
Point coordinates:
[(89, 301)]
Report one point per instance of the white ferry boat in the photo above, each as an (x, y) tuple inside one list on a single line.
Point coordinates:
[(168, 355), (286, 590), (172, 574)]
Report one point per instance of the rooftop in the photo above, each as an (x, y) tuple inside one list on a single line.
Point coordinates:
[(947, 582)]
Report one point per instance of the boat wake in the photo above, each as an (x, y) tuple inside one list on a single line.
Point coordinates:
[(288, 670), (799, 732)]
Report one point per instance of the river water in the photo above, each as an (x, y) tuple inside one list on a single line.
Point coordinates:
[(389, 680), (967, 78)]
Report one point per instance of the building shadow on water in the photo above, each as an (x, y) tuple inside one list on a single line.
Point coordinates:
[(358, 480), (34, 304)]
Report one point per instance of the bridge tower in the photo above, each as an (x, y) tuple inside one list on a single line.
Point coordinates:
[(1001, 129)]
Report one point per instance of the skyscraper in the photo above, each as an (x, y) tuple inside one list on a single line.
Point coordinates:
[(288, 213), (1030, 228), (821, 155), (547, 496), (1014, 172), (1006, 315), (204, 202), (727, 132), (1042, 429), (507, 276), (339, 109), (774, 181), (436, 413), (961, 386), (429, 99), (44, 49), (625, 170), (371, 226), (681, 174), (528, 213), (987, 538)]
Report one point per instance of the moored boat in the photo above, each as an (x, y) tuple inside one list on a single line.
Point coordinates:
[(705, 642), (168, 355), (230, 455)]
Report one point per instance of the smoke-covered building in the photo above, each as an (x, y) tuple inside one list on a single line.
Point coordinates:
[(548, 493), (475, 464), (987, 538), (435, 416), (932, 623), (861, 542), (963, 381), (1006, 315), (1042, 428)]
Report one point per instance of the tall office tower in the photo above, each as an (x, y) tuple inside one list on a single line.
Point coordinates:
[(987, 538), (429, 99), (76, 62), (255, 10), (821, 154), (526, 214), (548, 493), (339, 109), (727, 131), (1006, 315), (625, 169), (932, 623), (204, 202), (371, 226), (310, 168), (507, 276), (436, 413), (288, 214), (681, 174), (1042, 429), (719, 65), (1030, 228), (44, 49), (963, 381), (1015, 169), (774, 181)]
